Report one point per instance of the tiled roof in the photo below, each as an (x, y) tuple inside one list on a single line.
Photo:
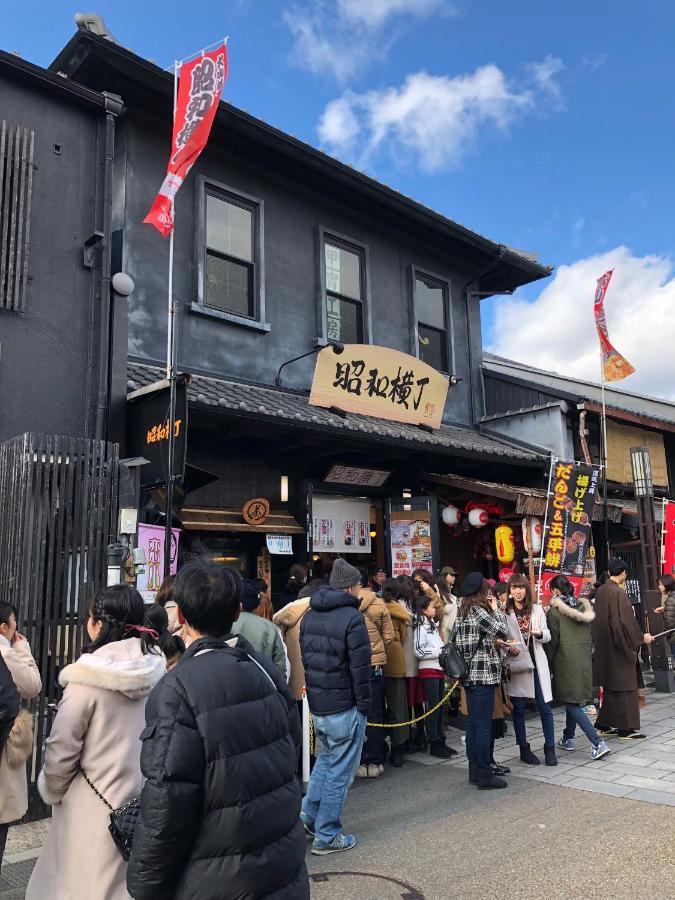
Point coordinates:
[(292, 407)]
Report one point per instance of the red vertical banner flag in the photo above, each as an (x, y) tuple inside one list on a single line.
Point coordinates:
[(614, 366), (668, 538), (200, 87)]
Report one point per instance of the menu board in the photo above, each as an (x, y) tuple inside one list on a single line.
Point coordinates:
[(411, 542), (340, 524)]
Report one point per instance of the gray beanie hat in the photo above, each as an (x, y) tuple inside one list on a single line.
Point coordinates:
[(344, 575)]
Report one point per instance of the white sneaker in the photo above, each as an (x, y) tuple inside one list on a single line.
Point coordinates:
[(362, 772), (590, 710), (375, 771)]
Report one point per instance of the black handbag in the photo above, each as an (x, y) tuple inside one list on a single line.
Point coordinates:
[(453, 663), (122, 821)]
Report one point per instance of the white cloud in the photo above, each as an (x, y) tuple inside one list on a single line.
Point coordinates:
[(594, 61), (544, 74), (432, 119), (339, 38), (374, 13), (557, 330)]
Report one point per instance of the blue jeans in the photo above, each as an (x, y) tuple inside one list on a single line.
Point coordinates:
[(480, 703), (575, 715), (545, 714), (340, 738)]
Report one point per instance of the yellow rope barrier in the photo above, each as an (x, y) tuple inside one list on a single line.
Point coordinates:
[(451, 690)]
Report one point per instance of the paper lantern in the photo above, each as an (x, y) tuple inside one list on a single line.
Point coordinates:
[(505, 574), (505, 544), (451, 515), (532, 531), (478, 517)]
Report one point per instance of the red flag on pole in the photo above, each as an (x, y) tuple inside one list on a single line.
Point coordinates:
[(199, 90), (614, 366)]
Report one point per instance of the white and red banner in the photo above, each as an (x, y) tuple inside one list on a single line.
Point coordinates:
[(668, 549), (200, 87), (614, 365)]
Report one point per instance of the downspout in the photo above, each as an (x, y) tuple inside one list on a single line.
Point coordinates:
[(468, 295), (583, 438), (113, 109)]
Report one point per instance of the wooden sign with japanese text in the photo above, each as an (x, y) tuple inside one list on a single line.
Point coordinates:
[(380, 382)]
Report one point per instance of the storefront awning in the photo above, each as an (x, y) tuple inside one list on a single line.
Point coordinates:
[(528, 501), (205, 518)]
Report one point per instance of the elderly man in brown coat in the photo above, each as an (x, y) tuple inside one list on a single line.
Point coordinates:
[(617, 637)]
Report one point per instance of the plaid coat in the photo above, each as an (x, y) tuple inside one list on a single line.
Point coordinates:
[(473, 636)]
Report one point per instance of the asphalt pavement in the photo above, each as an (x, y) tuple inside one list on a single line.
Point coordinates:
[(424, 833)]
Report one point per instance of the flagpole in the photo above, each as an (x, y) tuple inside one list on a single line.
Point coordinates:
[(171, 375)]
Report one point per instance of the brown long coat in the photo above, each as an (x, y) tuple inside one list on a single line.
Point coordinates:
[(100, 720), (400, 620), (378, 622), (617, 638)]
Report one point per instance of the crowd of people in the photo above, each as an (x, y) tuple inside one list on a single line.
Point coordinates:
[(189, 711)]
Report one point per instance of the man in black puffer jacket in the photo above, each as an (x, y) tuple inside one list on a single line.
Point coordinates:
[(220, 807), (336, 655)]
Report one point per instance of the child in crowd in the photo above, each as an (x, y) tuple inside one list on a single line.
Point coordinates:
[(427, 643)]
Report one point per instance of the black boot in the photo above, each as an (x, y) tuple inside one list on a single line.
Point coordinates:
[(500, 770), (549, 755), (473, 773), (488, 781), (440, 750), (420, 741), (396, 757), (528, 756)]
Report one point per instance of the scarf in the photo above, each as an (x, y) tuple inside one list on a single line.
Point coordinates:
[(570, 601), (523, 620)]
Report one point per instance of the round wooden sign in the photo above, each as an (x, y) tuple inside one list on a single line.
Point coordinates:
[(256, 511)]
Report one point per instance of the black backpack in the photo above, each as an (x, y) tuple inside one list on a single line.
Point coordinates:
[(10, 703)]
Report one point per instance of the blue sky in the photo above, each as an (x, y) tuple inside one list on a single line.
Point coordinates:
[(545, 126)]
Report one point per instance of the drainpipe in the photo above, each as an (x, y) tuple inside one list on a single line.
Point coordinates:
[(583, 437), (468, 295), (113, 108)]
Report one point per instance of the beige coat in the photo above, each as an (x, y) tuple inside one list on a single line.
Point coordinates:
[(13, 782), (378, 621), (97, 728), (288, 620), (400, 619)]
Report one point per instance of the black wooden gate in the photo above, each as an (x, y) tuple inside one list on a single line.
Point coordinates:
[(58, 511)]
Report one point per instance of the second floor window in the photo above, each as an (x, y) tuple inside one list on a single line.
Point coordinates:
[(431, 305), (344, 292), (230, 256)]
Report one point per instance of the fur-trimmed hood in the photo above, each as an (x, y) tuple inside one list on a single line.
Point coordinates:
[(119, 666), (396, 611), (583, 612)]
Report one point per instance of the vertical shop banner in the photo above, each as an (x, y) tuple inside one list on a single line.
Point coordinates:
[(568, 537), (151, 539), (199, 90), (668, 538), (410, 542)]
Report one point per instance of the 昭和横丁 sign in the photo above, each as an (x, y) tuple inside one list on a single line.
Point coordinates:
[(380, 382)]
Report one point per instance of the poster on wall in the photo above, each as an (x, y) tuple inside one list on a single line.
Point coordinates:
[(341, 524), (410, 542), (151, 539), (574, 488)]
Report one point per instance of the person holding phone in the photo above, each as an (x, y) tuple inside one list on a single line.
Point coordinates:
[(530, 678)]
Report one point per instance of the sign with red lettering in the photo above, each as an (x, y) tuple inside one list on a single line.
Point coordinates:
[(668, 538)]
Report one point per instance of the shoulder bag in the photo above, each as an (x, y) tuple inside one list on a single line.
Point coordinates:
[(122, 820), (521, 662)]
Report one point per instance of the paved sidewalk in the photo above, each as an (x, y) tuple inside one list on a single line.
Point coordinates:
[(637, 770)]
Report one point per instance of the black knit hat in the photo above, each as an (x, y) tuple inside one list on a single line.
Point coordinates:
[(472, 583)]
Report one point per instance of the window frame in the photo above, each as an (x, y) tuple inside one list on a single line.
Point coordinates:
[(208, 186), (444, 283), (329, 235)]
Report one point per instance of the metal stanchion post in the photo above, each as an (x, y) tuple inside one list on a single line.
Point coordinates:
[(305, 738)]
